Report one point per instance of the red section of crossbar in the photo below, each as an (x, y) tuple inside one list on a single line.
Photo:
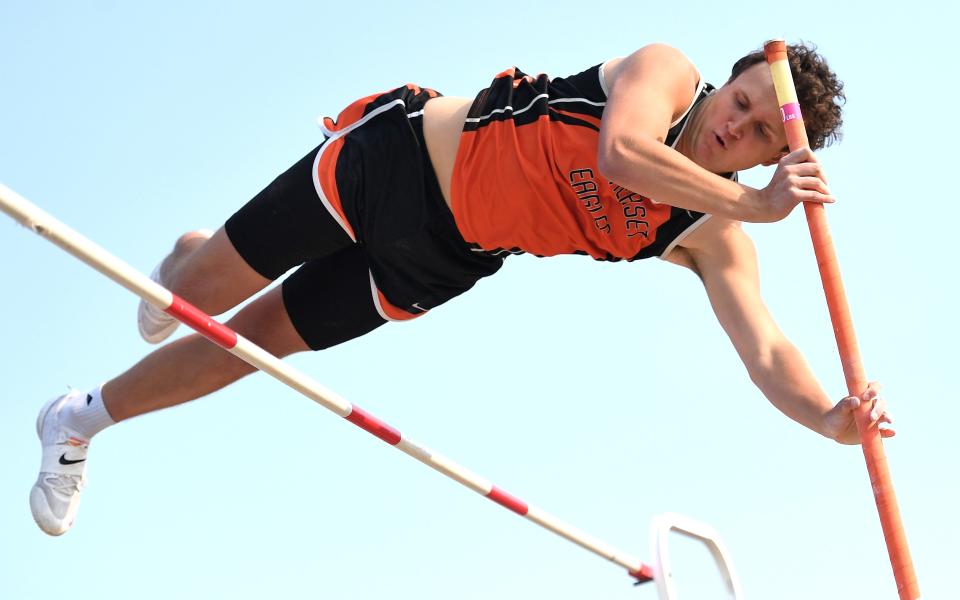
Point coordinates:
[(508, 501), (371, 424), (643, 574), (202, 323)]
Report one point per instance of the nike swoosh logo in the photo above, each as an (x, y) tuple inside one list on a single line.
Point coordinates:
[(65, 461)]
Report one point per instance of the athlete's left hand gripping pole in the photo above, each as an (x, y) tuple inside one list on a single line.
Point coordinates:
[(93, 255), (893, 532)]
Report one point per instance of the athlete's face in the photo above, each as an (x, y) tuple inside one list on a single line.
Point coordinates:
[(740, 126)]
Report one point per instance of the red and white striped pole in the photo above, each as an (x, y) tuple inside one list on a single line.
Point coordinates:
[(32, 217), (893, 532)]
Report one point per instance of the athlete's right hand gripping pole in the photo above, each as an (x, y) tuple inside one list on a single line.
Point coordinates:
[(896, 539)]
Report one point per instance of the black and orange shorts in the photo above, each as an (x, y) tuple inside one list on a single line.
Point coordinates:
[(363, 217)]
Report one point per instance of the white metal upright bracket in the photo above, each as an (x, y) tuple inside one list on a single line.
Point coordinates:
[(660, 528)]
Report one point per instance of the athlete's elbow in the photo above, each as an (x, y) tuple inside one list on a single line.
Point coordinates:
[(760, 377), (760, 362), (770, 361), (621, 159), (607, 158)]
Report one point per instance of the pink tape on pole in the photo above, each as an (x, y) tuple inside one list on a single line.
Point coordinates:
[(201, 322), (371, 424), (790, 112), (507, 501)]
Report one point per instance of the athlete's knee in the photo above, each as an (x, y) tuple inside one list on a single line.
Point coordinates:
[(190, 241), (180, 271)]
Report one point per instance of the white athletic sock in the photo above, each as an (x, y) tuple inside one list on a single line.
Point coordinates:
[(86, 414)]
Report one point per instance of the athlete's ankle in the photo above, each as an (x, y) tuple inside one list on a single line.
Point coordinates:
[(86, 414)]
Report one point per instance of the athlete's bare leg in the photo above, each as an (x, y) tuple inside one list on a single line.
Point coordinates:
[(209, 273), (192, 367)]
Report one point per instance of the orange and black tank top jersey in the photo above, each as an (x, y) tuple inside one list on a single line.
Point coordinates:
[(526, 178)]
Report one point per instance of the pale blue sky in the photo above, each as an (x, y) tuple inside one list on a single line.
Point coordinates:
[(602, 393)]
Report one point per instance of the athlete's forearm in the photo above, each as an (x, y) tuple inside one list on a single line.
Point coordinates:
[(788, 383), (651, 169)]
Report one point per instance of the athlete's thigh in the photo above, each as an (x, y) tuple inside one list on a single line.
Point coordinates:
[(286, 224), (265, 322), (330, 299)]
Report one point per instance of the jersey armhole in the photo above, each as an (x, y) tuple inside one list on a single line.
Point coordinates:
[(603, 77), (696, 94), (690, 229)]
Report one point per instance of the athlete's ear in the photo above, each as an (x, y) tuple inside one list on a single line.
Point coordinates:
[(776, 158)]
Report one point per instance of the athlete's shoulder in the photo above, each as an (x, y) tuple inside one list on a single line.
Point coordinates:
[(653, 60), (654, 86)]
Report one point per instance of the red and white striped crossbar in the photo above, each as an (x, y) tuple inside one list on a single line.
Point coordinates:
[(32, 217)]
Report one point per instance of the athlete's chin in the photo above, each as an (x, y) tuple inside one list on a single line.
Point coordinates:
[(717, 167), (715, 160), (729, 164)]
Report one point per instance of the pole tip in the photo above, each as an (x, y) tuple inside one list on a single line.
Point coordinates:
[(775, 49)]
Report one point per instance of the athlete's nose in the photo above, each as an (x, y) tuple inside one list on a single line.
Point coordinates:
[(735, 128)]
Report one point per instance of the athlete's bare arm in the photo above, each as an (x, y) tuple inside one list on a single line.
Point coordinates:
[(724, 258), (650, 89)]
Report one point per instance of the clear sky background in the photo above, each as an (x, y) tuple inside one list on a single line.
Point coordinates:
[(603, 393)]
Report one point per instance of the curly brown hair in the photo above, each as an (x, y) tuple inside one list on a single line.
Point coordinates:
[(819, 91)]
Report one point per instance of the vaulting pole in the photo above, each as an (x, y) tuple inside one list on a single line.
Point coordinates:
[(893, 533)]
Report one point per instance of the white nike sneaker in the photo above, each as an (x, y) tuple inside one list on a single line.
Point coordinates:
[(154, 324), (55, 496)]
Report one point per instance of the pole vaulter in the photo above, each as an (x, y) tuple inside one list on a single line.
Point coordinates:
[(853, 371), (156, 295)]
